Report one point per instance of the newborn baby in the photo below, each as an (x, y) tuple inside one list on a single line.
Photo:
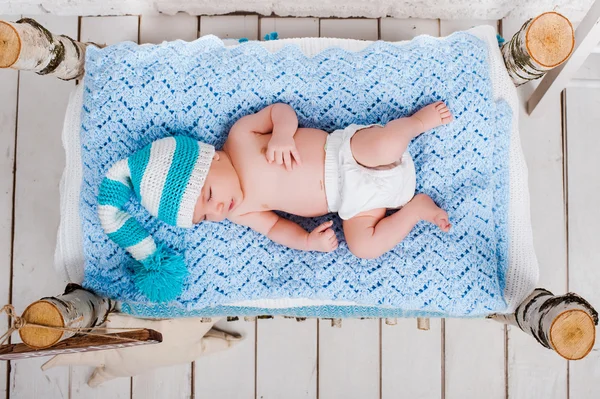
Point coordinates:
[(269, 164)]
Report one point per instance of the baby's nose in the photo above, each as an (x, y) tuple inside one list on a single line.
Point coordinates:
[(220, 207)]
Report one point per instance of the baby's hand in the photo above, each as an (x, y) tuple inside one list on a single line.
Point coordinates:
[(322, 238), (281, 150)]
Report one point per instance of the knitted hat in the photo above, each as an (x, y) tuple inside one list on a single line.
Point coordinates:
[(166, 177)]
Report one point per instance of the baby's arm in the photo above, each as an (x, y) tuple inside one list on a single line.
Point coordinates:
[(288, 233), (280, 120)]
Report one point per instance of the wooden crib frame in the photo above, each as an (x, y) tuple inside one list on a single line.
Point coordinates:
[(564, 323)]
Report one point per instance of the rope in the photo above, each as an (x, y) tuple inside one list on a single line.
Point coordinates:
[(17, 322)]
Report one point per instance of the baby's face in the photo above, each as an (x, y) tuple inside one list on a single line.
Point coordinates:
[(221, 192)]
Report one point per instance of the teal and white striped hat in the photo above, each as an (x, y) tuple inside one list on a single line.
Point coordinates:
[(166, 177)]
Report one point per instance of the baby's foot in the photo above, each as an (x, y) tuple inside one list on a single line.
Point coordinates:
[(427, 210), (433, 115)]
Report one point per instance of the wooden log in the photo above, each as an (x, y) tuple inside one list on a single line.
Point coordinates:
[(86, 344), (28, 46), (566, 323), (541, 44), (76, 308)]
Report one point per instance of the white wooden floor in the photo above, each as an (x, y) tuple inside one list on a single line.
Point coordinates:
[(282, 358)]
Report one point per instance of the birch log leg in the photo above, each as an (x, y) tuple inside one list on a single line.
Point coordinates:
[(28, 46), (76, 308), (563, 323), (541, 44)]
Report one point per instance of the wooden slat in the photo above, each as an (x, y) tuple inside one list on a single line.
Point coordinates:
[(474, 361), (229, 374), (583, 146), (158, 28), (474, 357), (286, 364), (449, 26), (393, 29), (175, 381), (8, 120), (290, 27), (106, 30), (363, 29), (532, 368), (349, 359), (40, 161), (411, 360), (230, 26)]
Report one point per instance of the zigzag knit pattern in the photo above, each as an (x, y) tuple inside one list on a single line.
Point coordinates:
[(137, 94)]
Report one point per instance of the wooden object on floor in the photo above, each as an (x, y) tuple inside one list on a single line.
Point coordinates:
[(27, 45), (566, 323), (423, 323), (541, 44), (83, 343), (76, 308)]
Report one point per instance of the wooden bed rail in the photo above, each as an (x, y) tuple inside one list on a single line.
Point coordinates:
[(542, 44), (566, 323)]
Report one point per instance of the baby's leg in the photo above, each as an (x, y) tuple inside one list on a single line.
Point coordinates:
[(370, 234), (377, 146)]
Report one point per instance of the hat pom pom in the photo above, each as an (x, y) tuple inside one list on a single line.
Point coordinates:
[(160, 276)]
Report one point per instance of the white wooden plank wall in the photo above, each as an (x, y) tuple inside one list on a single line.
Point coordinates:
[(103, 30), (282, 357), (9, 81), (532, 368), (286, 362), (583, 166), (173, 382), (411, 360), (40, 161), (474, 349)]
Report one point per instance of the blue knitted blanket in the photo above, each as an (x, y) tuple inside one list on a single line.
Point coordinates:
[(137, 94)]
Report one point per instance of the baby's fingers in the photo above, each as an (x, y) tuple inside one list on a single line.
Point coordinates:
[(287, 159), (323, 226), (296, 156), (270, 154)]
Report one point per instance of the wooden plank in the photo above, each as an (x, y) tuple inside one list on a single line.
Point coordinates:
[(174, 381), (230, 26), (109, 30), (349, 364), (106, 30), (290, 27), (474, 360), (362, 29), (583, 144), (411, 360), (393, 29), (9, 81), (531, 367), (587, 36), (449, 26), (40, 161), (474, 357), (158, 28), (286, 363), (229, 374)]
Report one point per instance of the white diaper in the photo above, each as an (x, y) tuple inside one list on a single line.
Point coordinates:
[(352, 188)]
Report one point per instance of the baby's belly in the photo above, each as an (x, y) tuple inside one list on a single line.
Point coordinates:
[(302, 190)]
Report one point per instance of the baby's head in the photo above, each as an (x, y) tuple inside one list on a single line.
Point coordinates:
[(180, 181)]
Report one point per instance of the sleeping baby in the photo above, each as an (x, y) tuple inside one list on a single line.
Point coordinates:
[(269, 164)]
